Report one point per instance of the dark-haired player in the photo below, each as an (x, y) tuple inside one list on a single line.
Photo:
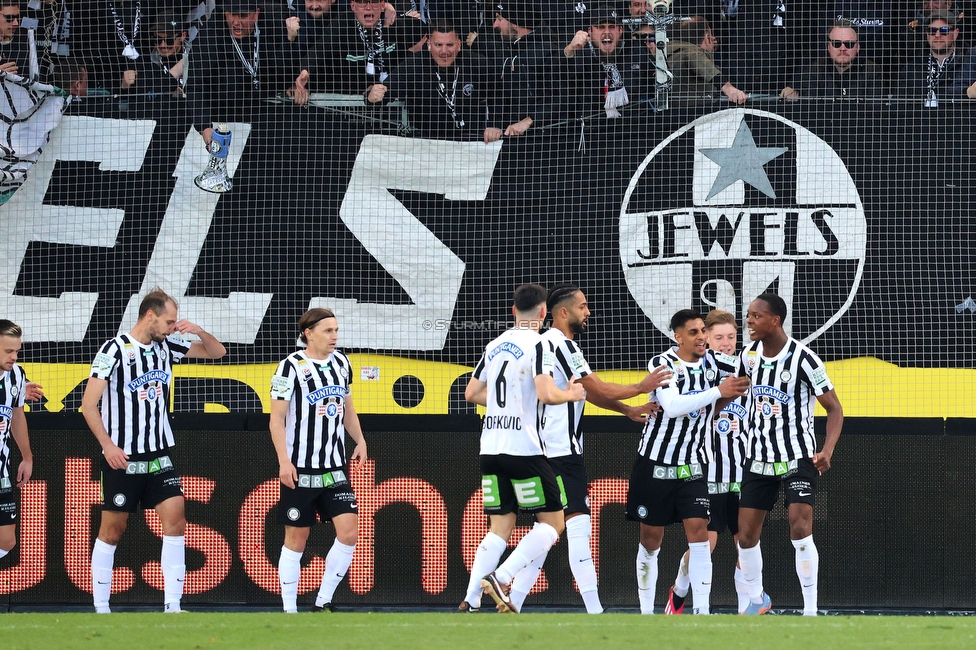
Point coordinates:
[(667, 484), (513, 377), (724, 471), (563, 435), (781, 448), (311, 412), (131, 377)]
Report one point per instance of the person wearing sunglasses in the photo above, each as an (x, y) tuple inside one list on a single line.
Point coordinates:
[(842, 74), (14, 53), (164, 72), (932, 75)]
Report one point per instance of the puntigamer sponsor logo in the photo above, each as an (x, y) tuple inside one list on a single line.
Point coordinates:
[(506, 346), (763, 204), (152, 375), (324, 392)]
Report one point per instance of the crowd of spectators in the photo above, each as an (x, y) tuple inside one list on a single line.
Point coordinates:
[(469, 69)]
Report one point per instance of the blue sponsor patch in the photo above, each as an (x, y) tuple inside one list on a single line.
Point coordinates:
[(326, 391), (769, 391), (152, 375)]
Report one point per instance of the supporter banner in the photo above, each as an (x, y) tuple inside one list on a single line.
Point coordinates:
[(421, 521), (859, 215)]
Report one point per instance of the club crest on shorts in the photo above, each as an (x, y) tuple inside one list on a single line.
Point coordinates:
[(119, 500), (641, 512), (293, 514), (770, 207)]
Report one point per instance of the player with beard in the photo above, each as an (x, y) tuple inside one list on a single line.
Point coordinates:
[(603, 71), (563, 435), (668, 484), (512, 380), (781, 449), (724, 472), (130, 378)]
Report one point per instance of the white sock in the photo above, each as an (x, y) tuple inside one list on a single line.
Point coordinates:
[(537, 542), (485, 560), (807, 568), (524, 581), (336, 564), (578, 533), (682, 583), (173, 560), (289, 571), (102, 563), (700, 574), (741, 590), (646, 578), (751, 561)]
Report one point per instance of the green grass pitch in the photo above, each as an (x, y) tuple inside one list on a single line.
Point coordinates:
[(337, 631)]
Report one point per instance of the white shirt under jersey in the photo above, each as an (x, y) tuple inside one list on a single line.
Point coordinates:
[(782, 396), (676, 434), (135, 403), (509, 367), (562, 429), (316, 390), (12, 385)]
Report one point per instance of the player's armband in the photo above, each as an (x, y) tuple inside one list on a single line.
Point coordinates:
[(282, 387), (102, 365)]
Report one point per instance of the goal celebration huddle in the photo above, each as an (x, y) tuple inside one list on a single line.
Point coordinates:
[(726, 432)]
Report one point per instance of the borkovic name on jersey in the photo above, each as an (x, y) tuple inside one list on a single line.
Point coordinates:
[(562, 430), (11, 397), (315, 433), (135, 404), (509, 367), (784, 389), (676, 434)]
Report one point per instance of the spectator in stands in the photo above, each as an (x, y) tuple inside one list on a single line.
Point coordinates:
[(933, 73), (71, 76), (604, 72), (317, 20), (965, 84), (14, 52), (449, 96), (843, 75), (110, 37), (525, 68), (691, 61), (927, 7), (875, 24), (761, 43), (363, 51), (239, 60), (163, 70)]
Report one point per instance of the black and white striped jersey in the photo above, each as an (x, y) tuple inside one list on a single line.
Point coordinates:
[(315, 432), (676, 434), (135, 404), (728, 443), (562, 428), (782, 395), (12, 385), (509, 367)]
